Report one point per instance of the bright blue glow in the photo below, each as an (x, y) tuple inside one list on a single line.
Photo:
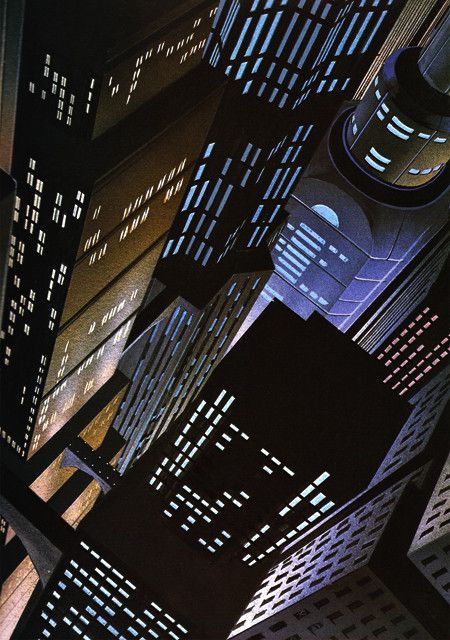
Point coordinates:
[(285, 274), (378, 156), (291, 182), (327, 213), (327, 44), (326, 10), (241, 37), (231, 289), (292, 80), (275, 211), (167, 249), (299, 41), (255, 157), (281, 182), (209, 148), (256, 34), (402, 125), (202, 191), (241, 70), (188, 222), (346, 34), (247, 86), (274, 179), (224, 199), (248, 148), (189, 197), (307, 132), (298, 132), (397, 133), (330, 67), (262, 235), (179, 243), (253, 236), (245, 178), (210, 228), (282, 76), (207, 256), (287, 34), (312, 40), (229, 21), (199, 250), (226, 166), (256, 65), (375, 29), (320, 87), (214, 56), (360, 32), (172, 320), (271, 30), (213, 194), (200, 171), (258, 211)]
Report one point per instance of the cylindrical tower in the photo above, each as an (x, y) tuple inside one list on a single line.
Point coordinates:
[(400, 132)]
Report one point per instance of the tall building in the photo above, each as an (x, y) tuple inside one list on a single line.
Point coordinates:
[(186, 233), (181, 345), (424, 425), (94, 231), (230, 420), (402, 296), (430, 547), (11, 21), (108, 98), (288, 65), (67, 491), (234, 478), (352, 578), (7, 197), (375, 215), (285, 63)]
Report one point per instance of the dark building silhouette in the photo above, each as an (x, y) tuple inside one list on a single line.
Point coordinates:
[(235, 477), (234, 418)]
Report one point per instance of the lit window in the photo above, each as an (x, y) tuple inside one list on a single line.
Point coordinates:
[(327, 213)]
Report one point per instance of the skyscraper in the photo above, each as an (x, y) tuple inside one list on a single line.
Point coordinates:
[(71, 227), (236, 197), (221, 314), (225, 489), (350, 578)]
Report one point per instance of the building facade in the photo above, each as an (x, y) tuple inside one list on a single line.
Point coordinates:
[(89, 246), (236, 197), (336, 585)]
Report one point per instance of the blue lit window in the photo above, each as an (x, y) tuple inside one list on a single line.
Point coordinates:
[(327, 213), (396, 132)]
